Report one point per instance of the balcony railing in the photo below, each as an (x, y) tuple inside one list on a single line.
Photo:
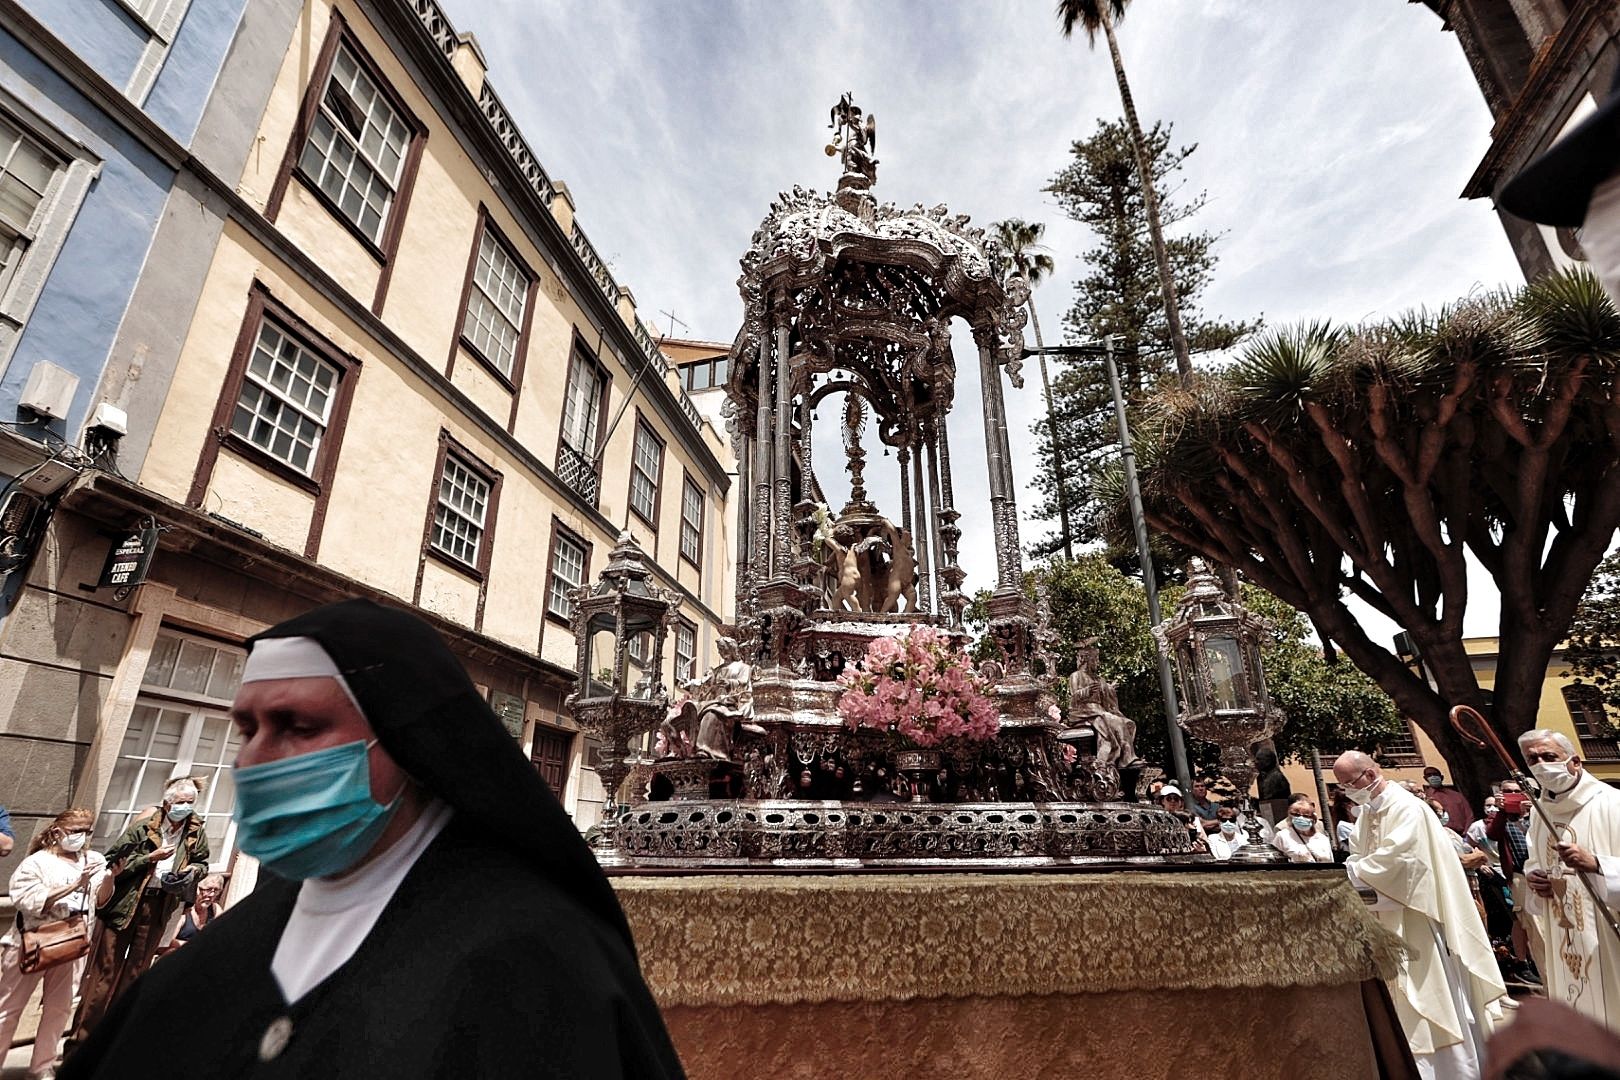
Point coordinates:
[(578, 471)]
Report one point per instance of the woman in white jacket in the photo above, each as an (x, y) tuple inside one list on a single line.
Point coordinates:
[(1300, 836), (59, 877)]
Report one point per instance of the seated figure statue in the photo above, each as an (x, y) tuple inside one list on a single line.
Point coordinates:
[(704, 722), (1094, 700)]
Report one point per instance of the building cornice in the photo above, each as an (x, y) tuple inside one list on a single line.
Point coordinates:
[(1556, 80)]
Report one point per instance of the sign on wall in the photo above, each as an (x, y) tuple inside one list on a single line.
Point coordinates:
[(129, 560), (509, 707)]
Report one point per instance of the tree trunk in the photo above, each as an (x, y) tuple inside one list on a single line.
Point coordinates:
[(1052, 429), (1150, 204)]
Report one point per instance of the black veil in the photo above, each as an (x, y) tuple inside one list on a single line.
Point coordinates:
[(429, 717)]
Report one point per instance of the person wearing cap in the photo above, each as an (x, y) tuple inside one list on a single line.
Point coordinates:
[(1447, 986), (1581, 965), (425, 908)]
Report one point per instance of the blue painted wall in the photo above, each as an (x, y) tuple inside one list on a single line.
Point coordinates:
[(76, 317)]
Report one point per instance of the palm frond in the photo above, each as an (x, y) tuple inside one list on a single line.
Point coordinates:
[(1568, 313), (1283, 368)]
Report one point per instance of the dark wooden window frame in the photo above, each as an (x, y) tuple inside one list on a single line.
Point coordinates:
[(513, 382), (658, 480), (260, 306), (340, 33), (449, 447), (559, 529), (703, 497), (606, 376), (711, 363)]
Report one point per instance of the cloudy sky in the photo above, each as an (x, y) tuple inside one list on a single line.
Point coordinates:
[(1333, 140)]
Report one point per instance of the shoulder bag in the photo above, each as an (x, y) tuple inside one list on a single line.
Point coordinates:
[(53, 942)]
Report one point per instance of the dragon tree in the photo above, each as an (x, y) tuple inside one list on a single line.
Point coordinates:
[(1331, 463)]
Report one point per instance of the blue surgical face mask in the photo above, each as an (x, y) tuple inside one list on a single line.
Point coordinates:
[(310, 815), (179, 812), (1445, 818), (1302, 823), (1228, 828)]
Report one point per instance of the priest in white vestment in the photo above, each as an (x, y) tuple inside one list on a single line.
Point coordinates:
[(1448, 990), (1581, 965)]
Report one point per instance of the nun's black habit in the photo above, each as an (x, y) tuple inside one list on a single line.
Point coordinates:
[(503, 953)]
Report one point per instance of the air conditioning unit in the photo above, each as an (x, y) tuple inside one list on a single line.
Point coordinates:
[(49, 391)]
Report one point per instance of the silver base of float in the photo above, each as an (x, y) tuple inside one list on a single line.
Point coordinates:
[(808, 834)]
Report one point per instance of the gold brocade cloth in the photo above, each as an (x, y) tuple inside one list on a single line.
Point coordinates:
[(772, 940)]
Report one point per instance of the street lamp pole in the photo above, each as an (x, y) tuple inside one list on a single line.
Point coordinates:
[(1167, 684)]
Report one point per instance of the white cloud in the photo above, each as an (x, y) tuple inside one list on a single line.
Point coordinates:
[(1333, 143)]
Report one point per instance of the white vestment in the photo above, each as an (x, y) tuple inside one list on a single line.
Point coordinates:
[(1447, 989), (1581, 961)]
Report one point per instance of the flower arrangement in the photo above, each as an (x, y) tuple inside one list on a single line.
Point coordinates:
[(919, 686)]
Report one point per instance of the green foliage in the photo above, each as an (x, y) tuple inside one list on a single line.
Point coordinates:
[(1120, 294), (1593, 647)]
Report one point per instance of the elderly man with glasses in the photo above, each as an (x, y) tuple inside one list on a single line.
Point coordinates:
[(1581, 961)]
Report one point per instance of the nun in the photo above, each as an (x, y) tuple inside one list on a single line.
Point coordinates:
[(425, 907)]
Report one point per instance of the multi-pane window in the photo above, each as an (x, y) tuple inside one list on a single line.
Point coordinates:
[(645, 465), (26, 172), (685, 652), (567, 573), (580, 405), (1587, 713), (639, 646), (356, 148), (179, 727), (494, 320), (703, 374), (458, 519), (286, 399), (691, 521)]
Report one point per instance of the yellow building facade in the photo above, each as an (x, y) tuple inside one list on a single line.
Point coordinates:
[(409, 377)]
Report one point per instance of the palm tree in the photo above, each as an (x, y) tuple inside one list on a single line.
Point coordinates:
[(1022, 242), (1093, 15)]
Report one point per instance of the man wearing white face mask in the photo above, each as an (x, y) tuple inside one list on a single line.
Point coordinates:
[(1581, 965), (1576, 184), (1447, 989), (152, 862)]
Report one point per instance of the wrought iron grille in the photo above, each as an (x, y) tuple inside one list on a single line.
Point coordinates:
[(579, 472)]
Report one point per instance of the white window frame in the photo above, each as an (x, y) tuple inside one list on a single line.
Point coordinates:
[(557, 600), (581, 409), (198, 709), (321, 420), (685, 636), (649, 475), (53, 219), (688, 488), (471, 510), (498, 299), (396, 118)]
